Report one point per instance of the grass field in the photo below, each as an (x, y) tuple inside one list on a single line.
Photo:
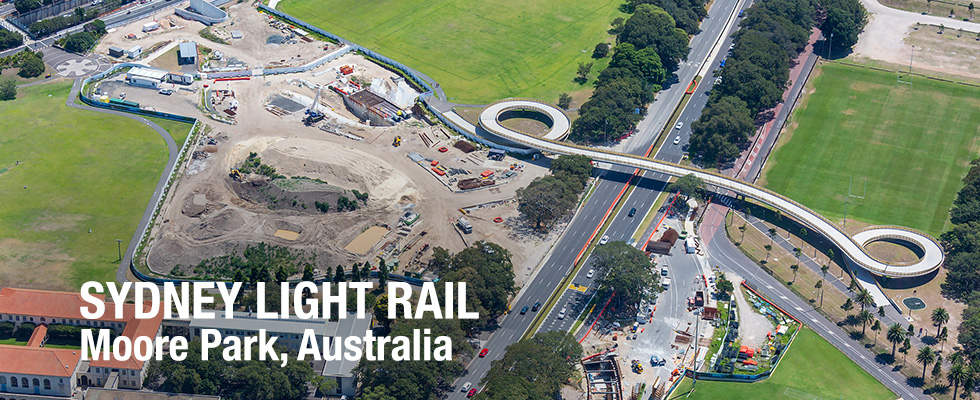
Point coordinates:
[(479, 52), (83, 170), (811, 369), (912, 143)]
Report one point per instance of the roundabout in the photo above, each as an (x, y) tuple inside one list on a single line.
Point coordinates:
[(932, 255)]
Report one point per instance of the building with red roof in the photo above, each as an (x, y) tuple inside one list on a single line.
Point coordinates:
[(35, 369)]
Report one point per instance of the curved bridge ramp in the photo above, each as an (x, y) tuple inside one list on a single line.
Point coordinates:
[(853, 248)]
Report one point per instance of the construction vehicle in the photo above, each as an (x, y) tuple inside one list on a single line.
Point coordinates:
[(237, 175), (312, 115), (397, 142)]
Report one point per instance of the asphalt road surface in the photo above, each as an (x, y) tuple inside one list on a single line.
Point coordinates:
[(587, 220)]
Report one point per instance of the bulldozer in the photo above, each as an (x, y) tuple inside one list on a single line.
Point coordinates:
[(397, 142), (237, 175)]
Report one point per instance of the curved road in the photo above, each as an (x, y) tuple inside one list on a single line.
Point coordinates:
[(172, 151), (933, 253)]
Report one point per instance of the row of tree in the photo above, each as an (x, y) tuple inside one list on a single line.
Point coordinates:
[(650, 44), (10, 39), (549, 198), (533, 368), (755, 75), (962, 245), (51, 25)]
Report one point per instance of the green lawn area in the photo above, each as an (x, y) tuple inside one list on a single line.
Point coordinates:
[(912, 143), (83, 170), (811, 367), (479, 52), (13, 342)]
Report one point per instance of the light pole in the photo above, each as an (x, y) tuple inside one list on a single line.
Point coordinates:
[(119, 248)]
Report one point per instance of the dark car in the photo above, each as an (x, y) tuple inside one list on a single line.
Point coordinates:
[(471, 393), (536, 306), (524, 310), (632, 211), (484, 352)]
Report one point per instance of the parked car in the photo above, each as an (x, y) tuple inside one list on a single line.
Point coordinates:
[(166, 92), (561, 314), (657, 361)]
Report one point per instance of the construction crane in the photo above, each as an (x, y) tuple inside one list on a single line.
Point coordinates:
[(312, 115), (397, 142)]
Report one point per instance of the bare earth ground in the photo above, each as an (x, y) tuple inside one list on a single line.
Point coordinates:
[(210, 214), (753, 326), (890, 32)]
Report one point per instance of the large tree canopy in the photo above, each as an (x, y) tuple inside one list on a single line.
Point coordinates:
[(625, 270), (651, 26), (489, 275), (533, 368), (722, 131)]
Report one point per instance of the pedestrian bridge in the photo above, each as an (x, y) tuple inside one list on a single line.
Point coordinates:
[(932, 255)]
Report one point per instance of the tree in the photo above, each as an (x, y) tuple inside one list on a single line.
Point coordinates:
[(339, 275), (611, 109), (742, 228), (942, 336), (939, 317), (864, 298), (689, 185), (772, 235), (722, 130), (768, 248), (724, 286), (355, 272), (906, 346), (881, 312), (10, 39), (848, 305), (79, 42), (845, 20), (803, 233), (853, 285), (8, 90), (96, 27), (308, 272), (572, 169), (625, 270), (617, 25), (865, 317), (583, 71), (534, 368), (911, 330), (381, 310), (651, 26), (31, 67), (643, 63), (895, 336), (823, 270), (876, 327), (819, 285), (489, 273), (382, 274), (564, 100), (545, 200), (937, 368), (601, 50), (971, 10), (366, 271), (795, 268), (926, 356), (957, 374), (24, 6)]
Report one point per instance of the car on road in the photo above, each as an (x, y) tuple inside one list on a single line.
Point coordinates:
[(524, 310), (536, 306), (465, 387), (561, 314), (471, 393), (484, 352), (679, 125), (604, 240), (166, 92), (632, 211), (677, 140), (591, 273)]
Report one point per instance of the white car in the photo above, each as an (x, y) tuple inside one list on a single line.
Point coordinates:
[(604, 240), (679, 125), (561, 314), (677, 140), (590, 274)]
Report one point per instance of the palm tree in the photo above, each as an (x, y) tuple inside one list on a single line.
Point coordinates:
[(865, 316), (819, 285), (937, 368), (848, 305), (798, 253), (957, 374), (830, 255), (926, 356), (895, 335), (794, 267), (864, 298), (802, 236), (881, 312), (772, 235), (823, 270), (876, 327), (939, 317), (906, 346), (971, 10), (742, 229), (768, 249)]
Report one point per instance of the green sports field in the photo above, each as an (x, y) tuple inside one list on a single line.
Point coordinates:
[(811, 369), (911, 143), (83, 170), (479, 51)]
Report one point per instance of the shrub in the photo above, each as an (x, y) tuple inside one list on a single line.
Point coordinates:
[(6, 329), (31, 67)]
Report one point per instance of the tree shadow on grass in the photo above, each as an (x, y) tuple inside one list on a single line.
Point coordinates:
[(937, 389), (884, 359), (914, 381)]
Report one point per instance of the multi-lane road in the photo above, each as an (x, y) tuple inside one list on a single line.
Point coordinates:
[(610, 184)]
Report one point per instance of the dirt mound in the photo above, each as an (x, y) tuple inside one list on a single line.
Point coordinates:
[(220, 224), (287, 194)]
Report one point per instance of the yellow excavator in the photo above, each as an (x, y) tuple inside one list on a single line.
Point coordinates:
[(397, 142), (236, 175)]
